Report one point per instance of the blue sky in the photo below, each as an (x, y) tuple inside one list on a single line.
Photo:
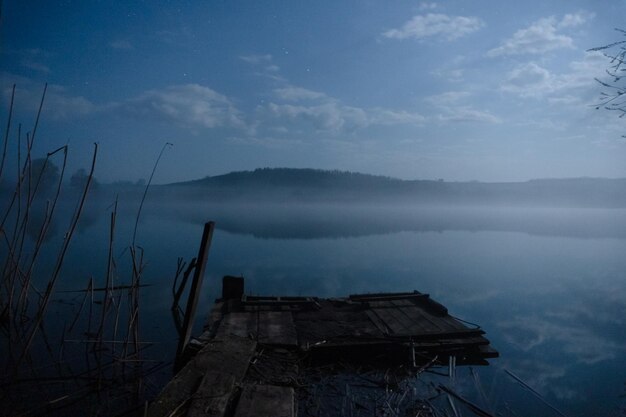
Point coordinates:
[(460, 90)]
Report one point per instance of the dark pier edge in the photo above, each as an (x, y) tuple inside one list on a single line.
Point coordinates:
[(255, 349)]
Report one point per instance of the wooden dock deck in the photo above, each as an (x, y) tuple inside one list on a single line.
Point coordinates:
[(259, 356)]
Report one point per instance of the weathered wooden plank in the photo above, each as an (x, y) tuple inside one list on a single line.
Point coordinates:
[(277, 327), (391, 320), (416, 322), (426, 320), (241, 324), (380, 324), (409, 320), (178, 392), (422, 321), (227, 367), (265, 401), (387, 296), (454, 323), (194, 291), (405, 323), (402, 302)]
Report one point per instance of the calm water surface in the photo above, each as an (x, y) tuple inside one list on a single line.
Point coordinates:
[(547, 285)]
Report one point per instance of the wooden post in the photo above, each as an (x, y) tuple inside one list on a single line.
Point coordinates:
[(194, 292)]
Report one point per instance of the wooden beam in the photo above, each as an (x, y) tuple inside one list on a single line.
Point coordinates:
[(194, 292)]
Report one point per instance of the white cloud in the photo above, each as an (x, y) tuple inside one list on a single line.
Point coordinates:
[(59, 101), (449, 104), (447, 98), (189, 105), (256, 59), (468, 114), (122, 44), (576, 19), (395, 117), (542, 36), (265, 66), (533, 80), (292, 93), (528, 80), (436, 25), (298, 108), (329, 116), (452, 75), (61, 104), (428, 6)]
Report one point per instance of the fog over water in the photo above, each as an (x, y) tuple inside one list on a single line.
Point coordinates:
[(546, 284)]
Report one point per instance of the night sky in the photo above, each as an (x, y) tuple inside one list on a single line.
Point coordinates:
[(461, 90)]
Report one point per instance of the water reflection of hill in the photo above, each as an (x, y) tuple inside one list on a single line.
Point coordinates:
[(332, 221)]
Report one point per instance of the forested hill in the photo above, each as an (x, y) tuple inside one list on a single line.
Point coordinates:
[(312, 185), (295, 177)]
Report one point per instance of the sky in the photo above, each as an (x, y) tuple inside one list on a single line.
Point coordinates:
[(482, 90)]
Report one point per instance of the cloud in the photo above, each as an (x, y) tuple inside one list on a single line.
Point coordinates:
[(583, 345), (190, 105), (427, 6), (256, 59), (329, 116), (301, 107), (34, 59), (297, 109), (542, 36), (389, 117), (449, 104), (436, 25), (452, 75), (292, 93), (576, 19), (532, 80), (122, 45), (265, 64), (467, 114), (59, 103), (448, 97), (529, 79)]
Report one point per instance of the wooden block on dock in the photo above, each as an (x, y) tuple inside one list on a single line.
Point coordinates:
[(265, 401)]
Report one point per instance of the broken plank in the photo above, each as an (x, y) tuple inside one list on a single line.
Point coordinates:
[(178, 392), (228, 366)]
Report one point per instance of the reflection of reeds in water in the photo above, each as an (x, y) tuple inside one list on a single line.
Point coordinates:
[(91, 361)]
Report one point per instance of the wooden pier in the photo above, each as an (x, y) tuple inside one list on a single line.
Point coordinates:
[(259, 356)]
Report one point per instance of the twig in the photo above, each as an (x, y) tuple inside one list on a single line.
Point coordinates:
[(145, 193)]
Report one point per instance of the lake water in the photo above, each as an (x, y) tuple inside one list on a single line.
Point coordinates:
[(547, 285)]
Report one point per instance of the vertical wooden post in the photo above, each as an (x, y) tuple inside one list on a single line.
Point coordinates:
[(194, 292)]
